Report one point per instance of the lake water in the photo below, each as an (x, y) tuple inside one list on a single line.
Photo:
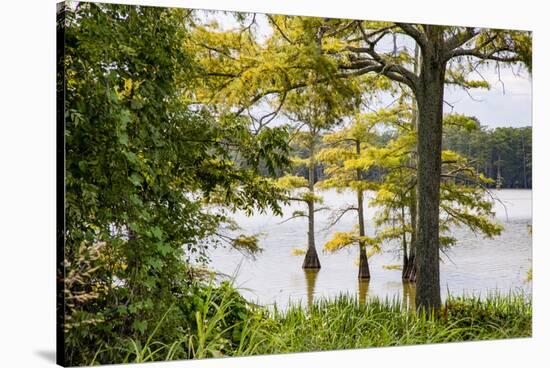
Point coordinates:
[(474, 266)]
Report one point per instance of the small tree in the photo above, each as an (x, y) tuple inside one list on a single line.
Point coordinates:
[(346, 167), (311, 113)]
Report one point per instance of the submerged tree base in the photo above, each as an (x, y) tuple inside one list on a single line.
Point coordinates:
[(311, 260), (364, 272)]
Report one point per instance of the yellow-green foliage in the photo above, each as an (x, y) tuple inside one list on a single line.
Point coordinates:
[(460, 121), (241, 67), (341, 240), (298, 183), (298, 161), (335, 155), (393, 267), (461, 202), (457, 75), (247, 243), (364, 163), (311, 197), (292, 182), (340, 156), (452, 157), (297, 251)]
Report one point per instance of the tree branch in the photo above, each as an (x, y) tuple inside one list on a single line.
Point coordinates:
[(460, 39), (295, 216), (341, 29), (395, 72), (366, 36), (279, 29), (418, 35), (488, 55), (338, 216)]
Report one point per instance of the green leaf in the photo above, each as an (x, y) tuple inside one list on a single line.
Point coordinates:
[(136, 105), (124, 119), (136, 200), (134, 227), (131, 157), (123, 138), (140, 326), (163, 249), (136, 179), (156, 263), (83, 165), (157, 232)]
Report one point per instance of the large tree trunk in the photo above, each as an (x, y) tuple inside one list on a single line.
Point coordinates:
[(364, 272), (429, 96), (311, 260)]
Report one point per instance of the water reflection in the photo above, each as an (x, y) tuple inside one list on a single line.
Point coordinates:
[(409, 295), (311, 278), (363, 291)]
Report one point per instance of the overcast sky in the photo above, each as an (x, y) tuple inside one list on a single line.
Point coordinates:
[(507, 103)]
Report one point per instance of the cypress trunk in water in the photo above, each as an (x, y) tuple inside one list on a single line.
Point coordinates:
[(364, 272), (311, 260)]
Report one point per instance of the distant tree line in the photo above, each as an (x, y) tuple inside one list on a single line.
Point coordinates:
[(502, 154)]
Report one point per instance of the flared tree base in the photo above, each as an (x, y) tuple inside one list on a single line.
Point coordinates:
[(364, 272), (311, 260)]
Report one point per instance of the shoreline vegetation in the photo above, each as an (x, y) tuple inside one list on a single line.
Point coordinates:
[(170, 123), (226, 325)]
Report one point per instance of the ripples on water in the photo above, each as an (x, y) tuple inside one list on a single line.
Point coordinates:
[(475, 266)]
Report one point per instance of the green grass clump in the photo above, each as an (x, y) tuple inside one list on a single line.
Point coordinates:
[(343, 323)]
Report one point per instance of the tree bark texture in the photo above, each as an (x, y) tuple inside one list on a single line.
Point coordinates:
[(311, 260), (429, 96)]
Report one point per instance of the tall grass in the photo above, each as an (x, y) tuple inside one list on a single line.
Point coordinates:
[(343, 323), (340, 323)]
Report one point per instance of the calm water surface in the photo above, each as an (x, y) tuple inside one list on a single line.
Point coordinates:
[(474, 266)]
